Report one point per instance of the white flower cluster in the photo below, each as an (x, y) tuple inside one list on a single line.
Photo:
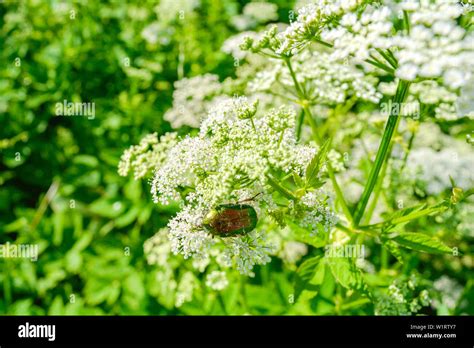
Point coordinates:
[(433, 98), (169, 10), (255, 13), (185, 289), (233, 147), (314, 212), (358, 33), (229, 161), (291, 252), (436, 45), (466, 217), (217, 280), (436, 157), (450, 291), (404, 297), (177, 289), (434, 168), (432, 45), (247, 251), (310, 21), (180, 286), (145, 157), (232, 44), (328, 81), (192, 98), (262, 12)]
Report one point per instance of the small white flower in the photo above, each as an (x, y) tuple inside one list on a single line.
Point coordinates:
[(407, 72)]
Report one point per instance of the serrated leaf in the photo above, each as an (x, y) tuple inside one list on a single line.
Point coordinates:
[(406, 211), (305, 274), (393, 248), (314, 167), (392, 220), (347, 274), (421, 242)]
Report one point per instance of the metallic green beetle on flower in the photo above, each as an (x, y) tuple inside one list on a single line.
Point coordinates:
[(228, 220)]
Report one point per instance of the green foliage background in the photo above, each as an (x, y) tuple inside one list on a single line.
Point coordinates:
[(59, 185)]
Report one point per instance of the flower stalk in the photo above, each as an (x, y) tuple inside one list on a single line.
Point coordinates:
[(383, 152)]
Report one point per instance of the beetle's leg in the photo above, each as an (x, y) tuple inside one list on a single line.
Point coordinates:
[(250, 199)]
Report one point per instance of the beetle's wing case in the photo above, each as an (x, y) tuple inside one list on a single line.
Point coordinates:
[(234, 219)]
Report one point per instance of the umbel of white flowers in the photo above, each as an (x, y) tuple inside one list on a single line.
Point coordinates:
[(228, 161)]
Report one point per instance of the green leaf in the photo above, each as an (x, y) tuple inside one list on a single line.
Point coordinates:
[(58, 229), (127, 218), (303, 235), (314, 167), (393, 248), (392, 221), (347, 274), (279, 188), (83, 242), (406, 211), (15, 225), (86, 160), (309, 273), (421, 242), (298, 180), (73, 261)]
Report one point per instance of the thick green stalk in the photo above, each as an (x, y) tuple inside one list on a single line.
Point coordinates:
[(383, 151), (377, 190), (299, 125)]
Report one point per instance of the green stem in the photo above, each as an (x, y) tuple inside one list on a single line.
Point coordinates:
[(222, 303), (388, 58), (299, 90), (380, 65), (339, 194), (324, 43), (243, 295), (284, 191), (378, 186), (407, 153), (406, 22), (377, 191), (355, 304), (347, 229), (383, 258), (408, 217), (299, 125), (382, 153)]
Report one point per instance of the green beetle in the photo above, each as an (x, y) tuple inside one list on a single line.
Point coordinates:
[(229, 220)]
